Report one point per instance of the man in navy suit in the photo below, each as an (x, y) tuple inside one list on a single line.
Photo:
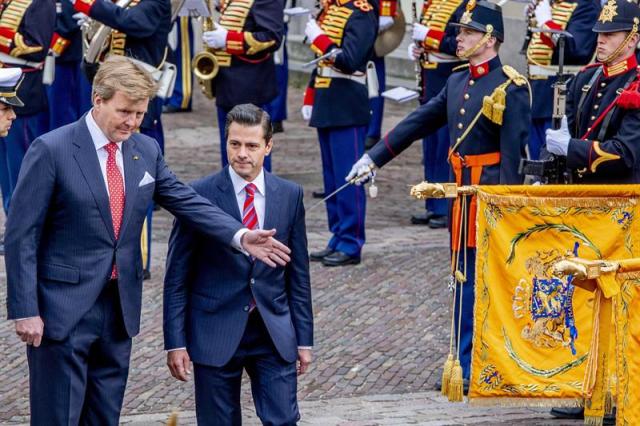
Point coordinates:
[(74, 267), (224, 311)]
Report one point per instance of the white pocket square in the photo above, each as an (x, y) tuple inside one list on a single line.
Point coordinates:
[(146, 179)]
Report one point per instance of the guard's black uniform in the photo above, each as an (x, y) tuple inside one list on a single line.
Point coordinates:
[(603, 109), (487, 109), (576, 17)]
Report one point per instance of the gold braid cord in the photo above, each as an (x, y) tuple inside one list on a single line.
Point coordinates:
[(616, 52)]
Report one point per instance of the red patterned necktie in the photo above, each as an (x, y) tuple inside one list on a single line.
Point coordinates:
[(249, 216), (250, 220), (115, 185)]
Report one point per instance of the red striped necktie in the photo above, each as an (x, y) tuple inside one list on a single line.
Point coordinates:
[(250, 220), (249, 215), (115, 184)]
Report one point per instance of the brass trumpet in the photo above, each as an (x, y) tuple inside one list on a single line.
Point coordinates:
[(205, 64)]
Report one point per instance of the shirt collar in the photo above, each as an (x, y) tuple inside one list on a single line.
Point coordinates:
[(480, 70), (621, 67), (97, 135), (239, 183)]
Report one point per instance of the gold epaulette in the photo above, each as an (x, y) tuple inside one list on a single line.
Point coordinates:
[(514, 75), (460, 67)]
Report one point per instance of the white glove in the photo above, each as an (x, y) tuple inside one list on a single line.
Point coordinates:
[(306, 112), (384, 22), (413, 51), (543, 13), (419, 32), (312, 30), (80, 18), (362, 170), (558, 140), (216, 39)]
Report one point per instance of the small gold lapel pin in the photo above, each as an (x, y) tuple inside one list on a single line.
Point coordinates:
[(135, 157)]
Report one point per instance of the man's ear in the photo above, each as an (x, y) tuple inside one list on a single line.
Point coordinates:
[(269, 146)]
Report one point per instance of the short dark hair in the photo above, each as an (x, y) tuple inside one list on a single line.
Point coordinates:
[(249, 115)]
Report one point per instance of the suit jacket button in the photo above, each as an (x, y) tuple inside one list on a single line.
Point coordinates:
[(252, 281), (246, 308)]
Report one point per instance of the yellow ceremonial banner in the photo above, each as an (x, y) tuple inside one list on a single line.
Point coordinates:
[(533, 330), (628, 350)]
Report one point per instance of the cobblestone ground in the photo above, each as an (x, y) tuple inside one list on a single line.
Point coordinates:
[(381, 326)]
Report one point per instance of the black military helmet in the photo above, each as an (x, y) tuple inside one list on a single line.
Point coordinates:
[(482, 16), (618, 15)]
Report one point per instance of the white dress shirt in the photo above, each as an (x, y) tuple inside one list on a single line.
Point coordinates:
[(100, 141)]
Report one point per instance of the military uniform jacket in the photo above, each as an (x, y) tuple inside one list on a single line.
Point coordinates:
[(67, 39), (339, 102), (142, 32), (142, 29), (605, 145), (26, 28), (576, 17), (247, 69), (441, 39), (458, 104)]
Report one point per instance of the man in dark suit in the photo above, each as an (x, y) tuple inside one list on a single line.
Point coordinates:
[(74, 268), (224, 311)]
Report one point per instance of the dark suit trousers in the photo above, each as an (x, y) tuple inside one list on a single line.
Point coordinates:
[(273, 382), (81, 380)]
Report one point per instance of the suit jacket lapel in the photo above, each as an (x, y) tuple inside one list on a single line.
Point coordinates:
[(227, 196), (87, 159), (133, 174)]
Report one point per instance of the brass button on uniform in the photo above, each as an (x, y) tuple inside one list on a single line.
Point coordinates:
[(599, 95), (466, 96), (471, 82), (603, 84), (460, 126), (593, 117), (462, 111), (596, 106)]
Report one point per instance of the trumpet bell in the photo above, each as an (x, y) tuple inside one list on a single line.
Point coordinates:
[(205, 65)]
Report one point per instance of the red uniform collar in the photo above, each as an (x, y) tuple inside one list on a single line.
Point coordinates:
[(620, 67), (480, 70)]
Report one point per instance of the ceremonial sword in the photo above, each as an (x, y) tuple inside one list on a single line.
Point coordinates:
[(373, 190)]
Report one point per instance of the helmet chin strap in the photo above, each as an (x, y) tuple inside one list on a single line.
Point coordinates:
[(485, 38), (609, 59)]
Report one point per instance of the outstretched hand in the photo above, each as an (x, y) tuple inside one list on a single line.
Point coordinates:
[(261, 245)]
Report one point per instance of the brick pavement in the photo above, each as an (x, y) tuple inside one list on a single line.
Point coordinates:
[(381, 326)]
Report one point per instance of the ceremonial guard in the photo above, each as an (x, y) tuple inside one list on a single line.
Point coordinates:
[(387, 12), (140, 31), (70, 92), (245, 39), (434, 49), (487, 107), (26, 28), (336, 104), (576, 18), (181, 43), (599, 138)]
